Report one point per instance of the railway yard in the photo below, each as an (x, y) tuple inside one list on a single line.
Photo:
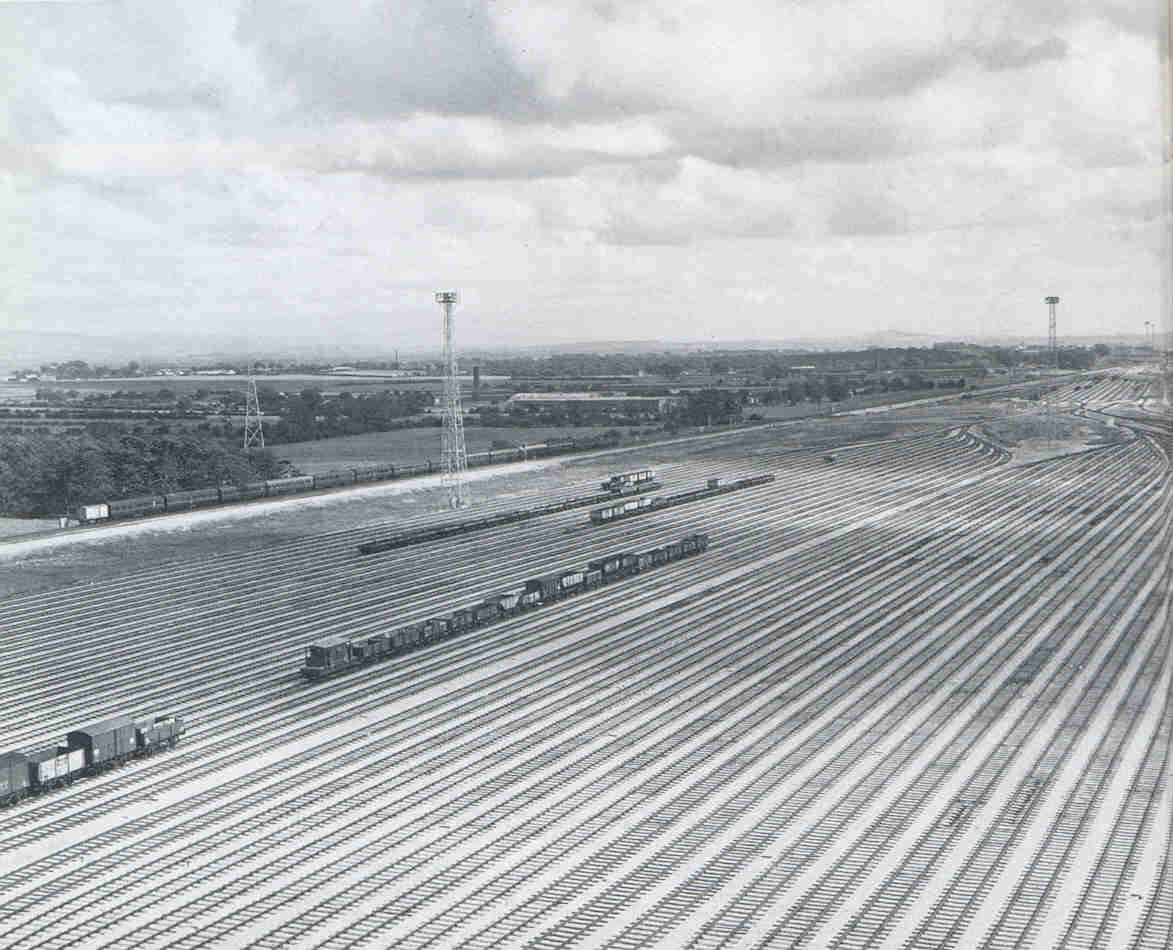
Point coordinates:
[(917, 693)]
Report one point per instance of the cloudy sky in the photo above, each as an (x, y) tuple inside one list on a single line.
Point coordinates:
[(582, 169)]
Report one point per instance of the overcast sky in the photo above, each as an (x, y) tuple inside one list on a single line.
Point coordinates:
[(583, 169)]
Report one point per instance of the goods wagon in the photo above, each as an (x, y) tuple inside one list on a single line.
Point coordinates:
[(150, 735), (55, 766), (340, 652), (93, 512), (326, 656), (634, 506), (628, 481), (374, 473), (106, 742), (181, 500), (90, 749), (287, 486), (242, 492), (334, 479), (621, 509), (14, 777), (133, 507)]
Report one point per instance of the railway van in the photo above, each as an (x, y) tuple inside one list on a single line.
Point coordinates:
[(87, 513), (105, 743)]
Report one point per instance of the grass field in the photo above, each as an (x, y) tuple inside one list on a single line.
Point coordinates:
[(410, 446)]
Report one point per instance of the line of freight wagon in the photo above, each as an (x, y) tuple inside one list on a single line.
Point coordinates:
[(638, 506), (88, 750), (342, 652), (407, 538), (228, 494)]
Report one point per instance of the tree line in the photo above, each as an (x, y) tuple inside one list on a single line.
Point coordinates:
[(48, 475)]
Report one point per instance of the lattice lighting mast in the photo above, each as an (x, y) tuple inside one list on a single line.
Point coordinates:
[(1052, 361), (254, 435), (1052, 339), (453, 456)]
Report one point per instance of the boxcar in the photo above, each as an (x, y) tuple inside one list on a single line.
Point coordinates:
[(486, 612), (93, 512), (105, 742), (14, 777)]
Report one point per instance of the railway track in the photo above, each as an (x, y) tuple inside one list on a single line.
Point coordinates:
[(500, 767)]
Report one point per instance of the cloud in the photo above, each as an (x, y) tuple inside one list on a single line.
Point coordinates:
[(386, 58), (891, 74), (265, 157)]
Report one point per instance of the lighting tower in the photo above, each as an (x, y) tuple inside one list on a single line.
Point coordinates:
[(1052, 341), (452, 454), (1053, 362), (254, 435)]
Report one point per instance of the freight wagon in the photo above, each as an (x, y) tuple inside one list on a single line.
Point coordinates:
[(628, 481), (185, 500), (334, 479), (288, 486), (89, 749), (136, 507), (245, 492), (636, 506), (339, 653)]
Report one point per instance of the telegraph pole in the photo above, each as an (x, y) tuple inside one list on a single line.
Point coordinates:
[(452, 451)]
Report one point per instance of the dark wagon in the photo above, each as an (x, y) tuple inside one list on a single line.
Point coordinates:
[(334, 479), (105, 743), (549, 586), (14, 777), (183, 500), (288, 486), (134, 507), (326, 657), (152, 734)]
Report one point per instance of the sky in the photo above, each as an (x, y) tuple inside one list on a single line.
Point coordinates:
[(583, 169)]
